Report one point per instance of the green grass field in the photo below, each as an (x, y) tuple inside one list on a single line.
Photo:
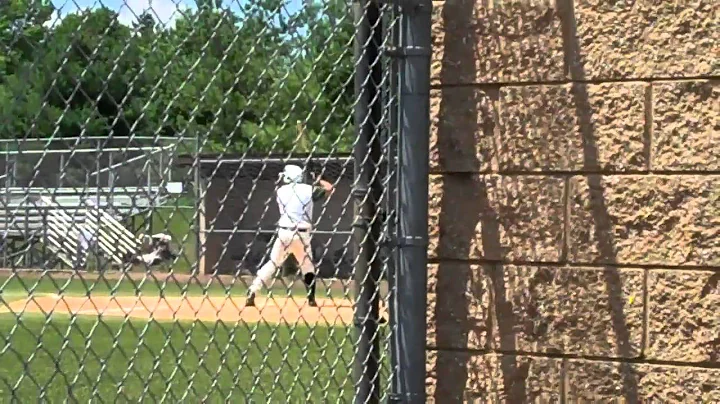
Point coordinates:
[(88, 358), (17, 287), (85, 359)]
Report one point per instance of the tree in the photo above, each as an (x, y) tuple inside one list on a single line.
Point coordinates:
[(21, 32), (237, 80), (22, 35), (327, 72)]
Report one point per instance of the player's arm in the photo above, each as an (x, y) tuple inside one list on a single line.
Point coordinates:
[(321, 189)]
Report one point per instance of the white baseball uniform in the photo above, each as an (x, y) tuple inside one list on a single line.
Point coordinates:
[(86, 239), (295, 203)]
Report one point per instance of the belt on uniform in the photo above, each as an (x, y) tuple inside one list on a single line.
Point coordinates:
[(295, 229)]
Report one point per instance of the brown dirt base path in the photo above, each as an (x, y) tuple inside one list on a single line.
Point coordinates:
[(275, 310)]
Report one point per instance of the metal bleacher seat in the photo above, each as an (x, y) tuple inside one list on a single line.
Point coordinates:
[(64, 234), (56, 218)]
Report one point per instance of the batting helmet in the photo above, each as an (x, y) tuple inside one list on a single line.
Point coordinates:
[(292, 173)]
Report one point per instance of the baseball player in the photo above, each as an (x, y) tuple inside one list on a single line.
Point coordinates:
[(86, 239), (295, 203), (159, 250)]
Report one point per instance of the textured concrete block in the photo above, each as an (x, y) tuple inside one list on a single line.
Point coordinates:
[(456, 377), (572, 127), (462, 121), (663, 220), (646, 38), (578, 311), (683, 319), (458, 306), (484, 42), (686, 125), (632, 383), (496, 217)]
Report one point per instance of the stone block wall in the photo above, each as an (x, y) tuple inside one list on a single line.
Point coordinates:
[(575, 201)]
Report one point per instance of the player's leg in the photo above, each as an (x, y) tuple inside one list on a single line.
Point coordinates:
[(84, 243), (278, 254), (302, 251)]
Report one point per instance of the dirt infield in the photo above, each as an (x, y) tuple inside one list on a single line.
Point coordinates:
[(274, 310)]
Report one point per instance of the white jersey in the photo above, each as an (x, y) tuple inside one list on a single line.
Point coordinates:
[(295, 203)]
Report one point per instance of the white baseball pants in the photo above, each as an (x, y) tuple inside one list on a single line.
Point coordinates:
[(86, 239), (287, 242)]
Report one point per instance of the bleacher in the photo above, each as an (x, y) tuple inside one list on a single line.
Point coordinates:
[(50, 195), (23, 214), (55, 218)]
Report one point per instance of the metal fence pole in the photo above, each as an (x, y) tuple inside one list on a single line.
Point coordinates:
[(367, 226), (392, 194), (376, 196), (414, 82), (6, 208), (111, 181), (198, 203)]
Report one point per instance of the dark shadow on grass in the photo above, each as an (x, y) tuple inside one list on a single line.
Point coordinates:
[(603, 221)]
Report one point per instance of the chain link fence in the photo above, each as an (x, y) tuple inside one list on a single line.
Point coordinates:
[(154, 245)]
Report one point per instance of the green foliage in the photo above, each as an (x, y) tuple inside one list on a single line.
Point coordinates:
[(21, 31), (237, 80)]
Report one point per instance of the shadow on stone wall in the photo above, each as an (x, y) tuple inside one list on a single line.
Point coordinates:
[(452, 387), (468, 196), (466, 200), (468, 205), (602, 220)]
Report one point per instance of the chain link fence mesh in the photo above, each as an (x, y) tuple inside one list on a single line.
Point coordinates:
[(142, 146)]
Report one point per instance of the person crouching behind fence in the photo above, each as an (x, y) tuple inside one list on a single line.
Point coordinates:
[(295, 203), (155, 250)]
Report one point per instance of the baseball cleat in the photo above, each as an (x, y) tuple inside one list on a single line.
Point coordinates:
[(309, 280), (250, 302)]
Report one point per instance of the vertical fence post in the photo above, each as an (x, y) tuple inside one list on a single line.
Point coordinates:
[(367, 193), (377, 187), (6, 208), (198, 203), (61, 170), (392, 193), (414, 82), (111, 181)]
